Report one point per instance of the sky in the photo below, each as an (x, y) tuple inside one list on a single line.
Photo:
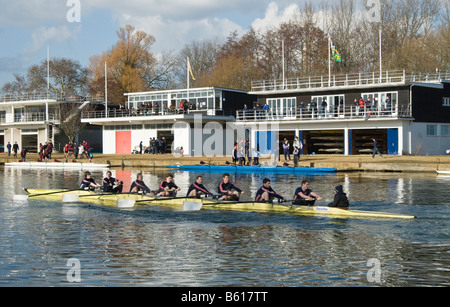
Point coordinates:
[(79, 29)]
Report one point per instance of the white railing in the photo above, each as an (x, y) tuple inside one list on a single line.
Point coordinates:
[(360, 79), (49, 97), (308, 114)]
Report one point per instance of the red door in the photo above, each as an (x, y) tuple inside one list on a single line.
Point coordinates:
[(123, 142)]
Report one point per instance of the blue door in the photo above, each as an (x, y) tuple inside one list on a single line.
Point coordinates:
[(265, 141), (392, 139)]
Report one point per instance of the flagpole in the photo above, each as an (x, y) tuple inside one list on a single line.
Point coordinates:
[(329, 61), (187, 75), (106, 90), (381, 58), (284, 69), (48, 83)]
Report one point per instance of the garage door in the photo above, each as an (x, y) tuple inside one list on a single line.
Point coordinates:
[(123, 142)]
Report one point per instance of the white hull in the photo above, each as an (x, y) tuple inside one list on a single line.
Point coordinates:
[(57, 165), (443, 172)]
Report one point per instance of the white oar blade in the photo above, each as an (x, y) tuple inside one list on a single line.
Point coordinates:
[(20, 198), (70, 198), (125, 203), (192, 206)]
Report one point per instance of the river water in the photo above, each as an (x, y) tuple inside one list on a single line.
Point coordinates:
[(152, 246)]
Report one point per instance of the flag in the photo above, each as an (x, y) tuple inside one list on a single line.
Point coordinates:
[(336, 55), (190, 70)]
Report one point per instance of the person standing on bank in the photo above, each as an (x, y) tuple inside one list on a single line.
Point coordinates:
[(9, 149), (286, 148), (375, 149), (15, 149), (296, 154)]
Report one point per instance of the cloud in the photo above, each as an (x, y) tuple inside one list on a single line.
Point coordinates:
[(10, 64), (58, 34), (29, 13), (274, 16), (174, 34)]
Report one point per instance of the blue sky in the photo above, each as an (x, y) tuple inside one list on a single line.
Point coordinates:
[(27, 27)]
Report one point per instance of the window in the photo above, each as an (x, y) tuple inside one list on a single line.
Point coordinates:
[(446, 102), (335, 103), (385, 101), (282, 106), (445, 130), (432, 130)]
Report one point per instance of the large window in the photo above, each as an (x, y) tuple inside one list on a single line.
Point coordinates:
[(334, 104), (283, 107), (199, 99), (384, 101)]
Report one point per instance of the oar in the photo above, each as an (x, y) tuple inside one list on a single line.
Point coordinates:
[(129, 203), (194, 206), (23, 198), (314, 200), (73, 198)]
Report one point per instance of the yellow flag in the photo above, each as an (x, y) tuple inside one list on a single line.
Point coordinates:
[(190, 70)]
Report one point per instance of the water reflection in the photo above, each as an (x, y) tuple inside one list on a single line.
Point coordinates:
[(152, 246)]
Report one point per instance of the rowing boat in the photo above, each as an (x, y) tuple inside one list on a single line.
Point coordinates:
[(180, 202), (106, 199), (57, 165)]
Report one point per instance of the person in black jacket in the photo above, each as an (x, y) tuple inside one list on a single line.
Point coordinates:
[(340, 198)]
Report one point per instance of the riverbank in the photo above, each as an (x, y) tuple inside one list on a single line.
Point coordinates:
[(343, 163)]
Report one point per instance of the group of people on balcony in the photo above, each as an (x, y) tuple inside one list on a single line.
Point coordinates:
[(322, 109), (156, 108), (370, 107)]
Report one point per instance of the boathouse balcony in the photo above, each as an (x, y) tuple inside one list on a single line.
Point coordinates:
[(364, 80), (318, 114), (338, 98)]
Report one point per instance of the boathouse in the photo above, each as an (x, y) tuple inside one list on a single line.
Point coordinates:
[(182, 117), (32, 119), (405, 113)]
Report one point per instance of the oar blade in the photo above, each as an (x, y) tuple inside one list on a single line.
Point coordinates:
[(20, 198), (192, 206), (70, 198), (125, 203)]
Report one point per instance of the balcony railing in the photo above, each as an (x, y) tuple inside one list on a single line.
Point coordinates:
[(34, 117), (361, 79), (350, 112), (127, 113), (51, 97)]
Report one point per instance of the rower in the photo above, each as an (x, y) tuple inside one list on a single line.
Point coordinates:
[(88, 182), (226, 189), (111, 184), (266, 193), (304, 196), (167, 187), (139, 185), (197, 189), (340, 198)]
